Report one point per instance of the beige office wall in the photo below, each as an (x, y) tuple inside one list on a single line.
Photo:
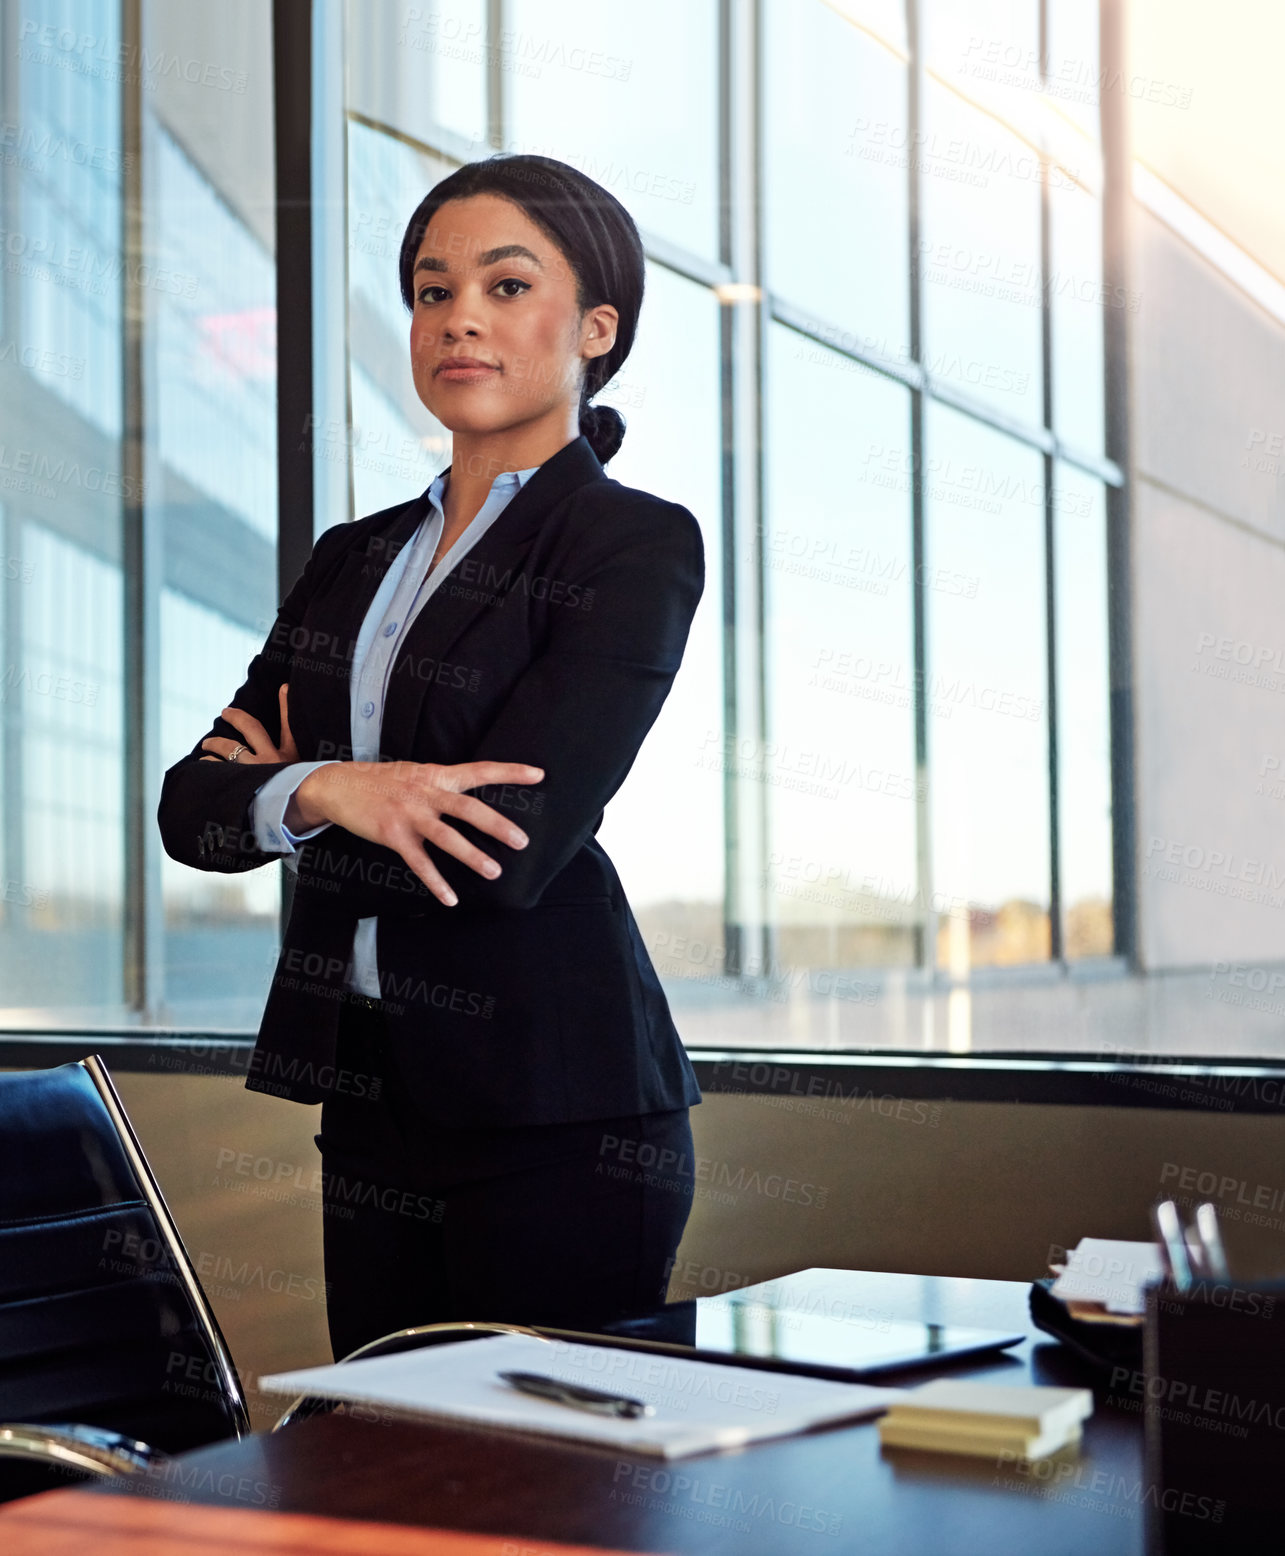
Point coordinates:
[(958, 1188), (1209, 638), (1211, 740), (1208, 367), (955, 1188), (1203, 89)]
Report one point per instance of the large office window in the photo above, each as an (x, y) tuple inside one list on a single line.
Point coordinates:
[(842, 810), (959, 479), (138, 381), (986, 685), (835, 143), (871, 361)]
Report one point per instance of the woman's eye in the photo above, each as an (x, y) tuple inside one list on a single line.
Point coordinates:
[(508, 281)]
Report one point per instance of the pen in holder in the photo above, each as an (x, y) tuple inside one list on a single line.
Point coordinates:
[(1214, 1400)]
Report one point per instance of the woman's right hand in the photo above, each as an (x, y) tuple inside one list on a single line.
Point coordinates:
[(402, 805)]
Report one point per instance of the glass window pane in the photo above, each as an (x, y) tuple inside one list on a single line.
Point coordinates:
[(213, 420), (840, 660), (1076, 302), (220, 930), (62, 232), (397, 444), (1083, 712), (664, 829), (1074, 74), (836, 145), (989, 50), (210, 409), (60, 954), (61, 616), (980, 257), (420, 68), (884, 19), (386, 181), (585, 83), (987, 692)]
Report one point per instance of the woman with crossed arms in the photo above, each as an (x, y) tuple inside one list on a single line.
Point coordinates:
[(451, 693)]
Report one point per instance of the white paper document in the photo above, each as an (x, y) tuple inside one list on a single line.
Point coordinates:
[(1110, 1271), (700, 1406)]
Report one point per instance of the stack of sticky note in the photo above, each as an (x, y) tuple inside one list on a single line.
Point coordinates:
[(950, 1416)]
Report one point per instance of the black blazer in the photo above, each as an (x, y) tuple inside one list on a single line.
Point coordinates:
[(554, 642)]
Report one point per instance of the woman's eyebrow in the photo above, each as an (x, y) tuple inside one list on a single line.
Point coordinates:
[(505, 251)]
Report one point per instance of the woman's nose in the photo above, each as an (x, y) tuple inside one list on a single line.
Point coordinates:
[(459, 319)]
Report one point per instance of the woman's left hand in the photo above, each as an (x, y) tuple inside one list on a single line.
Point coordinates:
[(257, 747)]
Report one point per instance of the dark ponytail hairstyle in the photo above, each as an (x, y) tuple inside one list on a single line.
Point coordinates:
[(595, 234)]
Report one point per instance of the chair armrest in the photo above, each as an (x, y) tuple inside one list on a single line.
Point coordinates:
[(88, 1450), (400, 1340)]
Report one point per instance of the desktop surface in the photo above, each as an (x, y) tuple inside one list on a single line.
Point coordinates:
[(834, 1488)]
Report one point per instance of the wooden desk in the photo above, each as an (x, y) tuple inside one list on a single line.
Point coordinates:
[(833, 1489)]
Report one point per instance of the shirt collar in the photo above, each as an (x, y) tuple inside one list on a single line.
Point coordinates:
[(506, 479)]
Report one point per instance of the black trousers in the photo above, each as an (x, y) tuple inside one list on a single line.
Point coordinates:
[(557, 1224)]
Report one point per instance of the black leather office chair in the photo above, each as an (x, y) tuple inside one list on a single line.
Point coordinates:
[(110, 1356)]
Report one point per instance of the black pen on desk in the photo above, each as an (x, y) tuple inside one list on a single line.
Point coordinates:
[(598, 1401)]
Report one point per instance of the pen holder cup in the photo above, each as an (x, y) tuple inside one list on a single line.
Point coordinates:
[(1214, 1416)]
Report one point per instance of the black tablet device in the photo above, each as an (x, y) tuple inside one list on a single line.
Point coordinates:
[(804, 1323)]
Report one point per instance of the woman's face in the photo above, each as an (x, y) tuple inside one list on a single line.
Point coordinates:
[(489, 285)]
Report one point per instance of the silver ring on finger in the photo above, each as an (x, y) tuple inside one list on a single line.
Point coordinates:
[(236, 753)]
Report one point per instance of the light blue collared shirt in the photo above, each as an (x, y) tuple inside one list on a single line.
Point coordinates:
[(400, 597)]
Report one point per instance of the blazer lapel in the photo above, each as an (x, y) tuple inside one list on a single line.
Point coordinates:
[(363, 570), (477, 582), (326, 657)]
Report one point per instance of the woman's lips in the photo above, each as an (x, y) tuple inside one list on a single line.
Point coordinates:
[(465, 375)]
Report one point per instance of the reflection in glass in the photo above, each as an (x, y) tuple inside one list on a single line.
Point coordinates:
[(1084, 713), (840, 756), (210, 404), (980, 257), (61, 293), (664, 829), (987, 692), (61, 628), (216, 342), (836, 145), (585, 82)]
